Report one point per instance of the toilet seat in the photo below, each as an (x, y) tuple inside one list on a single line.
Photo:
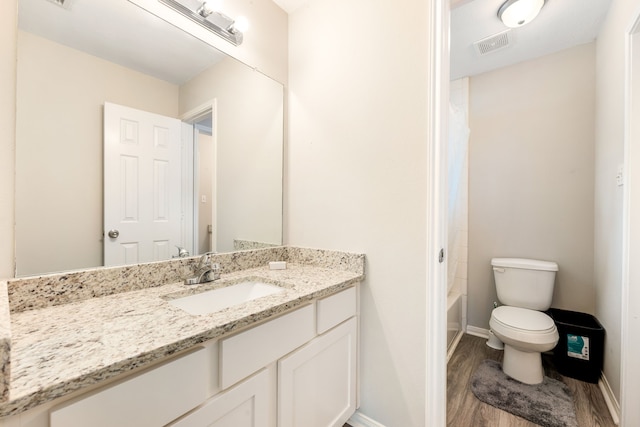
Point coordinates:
[(523, 319), (529, 328)]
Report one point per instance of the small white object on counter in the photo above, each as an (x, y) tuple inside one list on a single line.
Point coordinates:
[(278, 265)]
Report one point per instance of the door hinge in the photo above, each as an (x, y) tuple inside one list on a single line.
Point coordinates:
[(441, 256)]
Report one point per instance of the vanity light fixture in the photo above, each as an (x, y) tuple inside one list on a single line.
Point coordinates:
[(207, 14), (516, 13)]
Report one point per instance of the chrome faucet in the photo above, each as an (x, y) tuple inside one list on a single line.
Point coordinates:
[(206, 271), (182, 253)]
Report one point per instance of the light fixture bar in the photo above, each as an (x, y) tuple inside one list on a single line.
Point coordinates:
[(219, 27)]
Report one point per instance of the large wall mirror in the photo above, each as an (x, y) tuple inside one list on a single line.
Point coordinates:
[(72, 61)]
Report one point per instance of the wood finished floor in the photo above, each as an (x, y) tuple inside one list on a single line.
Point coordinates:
[(465, 410)]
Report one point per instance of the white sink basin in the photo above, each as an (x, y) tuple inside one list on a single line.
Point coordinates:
[(219, 299)]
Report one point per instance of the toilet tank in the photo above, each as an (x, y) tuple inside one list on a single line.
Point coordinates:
[(526, 283)]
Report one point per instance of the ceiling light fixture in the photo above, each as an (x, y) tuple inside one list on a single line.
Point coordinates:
[(516, 13), (207, 15)]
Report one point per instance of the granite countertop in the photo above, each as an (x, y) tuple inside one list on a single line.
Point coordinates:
[(58, 349)]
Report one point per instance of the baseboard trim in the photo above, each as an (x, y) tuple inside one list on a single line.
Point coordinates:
[(454, 344), (360, 420), (478, 332), (610, 399)]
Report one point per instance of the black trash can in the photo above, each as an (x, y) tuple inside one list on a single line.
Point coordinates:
[(580, 350)]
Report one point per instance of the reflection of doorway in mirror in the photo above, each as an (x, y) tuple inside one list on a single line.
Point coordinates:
[(205, 190), (200, 193)]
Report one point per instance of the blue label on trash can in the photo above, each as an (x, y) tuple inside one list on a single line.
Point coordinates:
[(578, 347)]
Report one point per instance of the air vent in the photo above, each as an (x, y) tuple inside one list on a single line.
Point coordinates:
[(493, 43), (66, 4)]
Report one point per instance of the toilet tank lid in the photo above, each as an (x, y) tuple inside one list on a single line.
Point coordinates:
[(527, 264)]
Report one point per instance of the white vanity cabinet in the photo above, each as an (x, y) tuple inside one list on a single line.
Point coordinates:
[(297, 369), (317, 383), (314, 351)]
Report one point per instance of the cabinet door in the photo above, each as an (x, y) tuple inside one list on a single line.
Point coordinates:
[(317, 383), (245, 405)]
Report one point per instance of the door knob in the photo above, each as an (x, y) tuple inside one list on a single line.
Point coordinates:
[(113, 234)]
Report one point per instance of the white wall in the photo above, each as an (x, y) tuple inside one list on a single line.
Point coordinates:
[(8, 36), (608, 196), (357, 177), (531, 174), (248, 130), (60, 97)]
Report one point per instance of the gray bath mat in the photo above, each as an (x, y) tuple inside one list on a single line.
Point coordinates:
[(548, 404)]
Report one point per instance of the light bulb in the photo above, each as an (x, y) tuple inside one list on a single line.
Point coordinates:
[(208, 7), (241, 24)]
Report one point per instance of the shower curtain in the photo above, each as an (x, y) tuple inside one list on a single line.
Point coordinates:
[(457, 175)]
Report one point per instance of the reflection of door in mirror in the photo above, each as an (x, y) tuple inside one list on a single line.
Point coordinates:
[(142, 188)]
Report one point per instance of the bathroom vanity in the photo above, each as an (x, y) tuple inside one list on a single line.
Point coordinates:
[(107, 347)]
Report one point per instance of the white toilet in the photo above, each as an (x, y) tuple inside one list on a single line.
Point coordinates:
[(525, 286)]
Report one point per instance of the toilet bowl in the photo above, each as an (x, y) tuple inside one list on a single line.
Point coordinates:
[(526, 334)]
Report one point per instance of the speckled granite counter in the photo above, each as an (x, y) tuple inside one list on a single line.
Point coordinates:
[(58, 348)]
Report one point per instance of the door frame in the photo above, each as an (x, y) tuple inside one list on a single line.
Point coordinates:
[(630, 297), (436, 287), (190, 173)]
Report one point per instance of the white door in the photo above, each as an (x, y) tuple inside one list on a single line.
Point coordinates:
[(142, 182)]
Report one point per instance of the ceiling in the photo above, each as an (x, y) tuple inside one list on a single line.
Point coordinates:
[(561, 24)]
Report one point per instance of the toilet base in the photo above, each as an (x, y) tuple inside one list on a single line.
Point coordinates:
[(494, 342), (523, 366)]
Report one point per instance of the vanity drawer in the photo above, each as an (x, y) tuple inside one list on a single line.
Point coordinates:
[(151, 398), (245, 353), (335, 309)]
